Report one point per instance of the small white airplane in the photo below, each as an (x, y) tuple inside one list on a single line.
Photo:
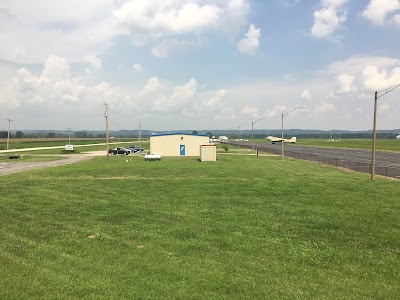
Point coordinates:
[(275, 139)]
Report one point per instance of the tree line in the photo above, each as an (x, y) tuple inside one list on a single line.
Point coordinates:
[(50, 134)]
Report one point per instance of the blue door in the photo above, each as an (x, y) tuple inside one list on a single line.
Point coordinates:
[(182, 150)]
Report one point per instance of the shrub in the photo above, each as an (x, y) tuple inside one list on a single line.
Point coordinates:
[(69, 151), (225, 147)]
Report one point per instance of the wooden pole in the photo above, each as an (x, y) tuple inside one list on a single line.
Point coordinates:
[(374, 137), (106, 115)]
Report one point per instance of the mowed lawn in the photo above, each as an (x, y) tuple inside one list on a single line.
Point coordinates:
[(240, 228)]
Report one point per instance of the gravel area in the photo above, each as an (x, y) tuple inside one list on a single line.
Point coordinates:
[(15, 166)]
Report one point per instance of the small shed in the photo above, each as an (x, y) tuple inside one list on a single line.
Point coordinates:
[(208, 153), (178, 144)]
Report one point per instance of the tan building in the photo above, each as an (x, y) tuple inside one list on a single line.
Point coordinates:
[(178, 144), (208, 153)]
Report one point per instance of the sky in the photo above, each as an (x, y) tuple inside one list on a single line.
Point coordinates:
[(199, 64)]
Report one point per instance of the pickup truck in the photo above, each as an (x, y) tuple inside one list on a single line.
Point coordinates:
[(119, 150)]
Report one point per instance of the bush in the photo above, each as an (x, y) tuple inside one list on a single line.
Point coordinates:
[(69, 151), (225, 147)]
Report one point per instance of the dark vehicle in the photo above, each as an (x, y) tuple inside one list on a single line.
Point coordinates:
[(135, 149), (119, 150)]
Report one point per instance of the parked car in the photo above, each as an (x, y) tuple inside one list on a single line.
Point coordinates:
[(119, 150), (135, 149)]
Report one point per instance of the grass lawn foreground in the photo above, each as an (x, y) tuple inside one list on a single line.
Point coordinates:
[(240, 228)]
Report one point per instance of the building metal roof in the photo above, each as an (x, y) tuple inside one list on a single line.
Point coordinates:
[(179, 133)]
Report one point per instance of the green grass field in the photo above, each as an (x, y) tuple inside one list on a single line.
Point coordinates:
[(240, 228), (29, 158), (33, 143), (78, 148)]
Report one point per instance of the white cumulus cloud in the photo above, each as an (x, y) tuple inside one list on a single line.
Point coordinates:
[(344, 84), (374, 79), (249, 112), (396, 19), (56, 68), (53, 88), (165, 47), (166, 17), (214, 103), (361, 73), (153, 85), (249, 44), (36, 30), (137, 67), (169, 24), (324, 107), (179, 98), (329, 18), (377, 11), (306, 95), (94, 61), (276, 110)]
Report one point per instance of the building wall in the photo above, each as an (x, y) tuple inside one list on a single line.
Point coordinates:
[(171, 145), (208, 153)]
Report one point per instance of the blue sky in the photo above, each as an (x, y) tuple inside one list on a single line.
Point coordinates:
[(199, 64)]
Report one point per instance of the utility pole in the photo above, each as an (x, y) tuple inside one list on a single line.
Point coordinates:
[(140, 134), (378, 95), (69, 136), (8, 134), (238, 131), (106, 115), (229, 134), (374, 137)]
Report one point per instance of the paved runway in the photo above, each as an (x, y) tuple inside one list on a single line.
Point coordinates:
[(383, 159)]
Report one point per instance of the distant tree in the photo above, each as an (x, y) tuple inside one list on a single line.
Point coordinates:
[(195, 132), (210, 135), (51, 135), (19, 134), (3, 134), (81, 134)]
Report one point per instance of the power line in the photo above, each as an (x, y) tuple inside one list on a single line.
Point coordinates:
[(117, 124), (388, 90)]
